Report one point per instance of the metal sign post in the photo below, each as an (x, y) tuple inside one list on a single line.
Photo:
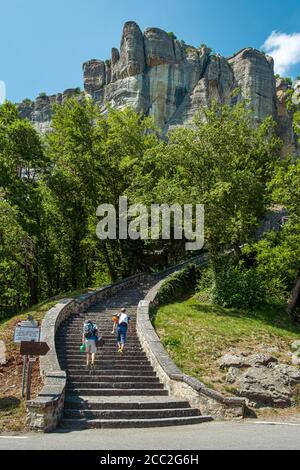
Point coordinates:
[(28, 385), (24, 375)]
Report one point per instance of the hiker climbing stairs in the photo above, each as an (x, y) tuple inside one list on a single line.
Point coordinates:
[(122, 390)]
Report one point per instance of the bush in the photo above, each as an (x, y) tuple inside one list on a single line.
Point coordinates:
[(232, 286), (288, 81), (178, 285), (172, 35), (238, 287)]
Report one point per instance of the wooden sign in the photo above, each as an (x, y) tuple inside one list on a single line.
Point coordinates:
[(32, 348)]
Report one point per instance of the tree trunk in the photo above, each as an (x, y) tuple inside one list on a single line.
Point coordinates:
[(294, 298)]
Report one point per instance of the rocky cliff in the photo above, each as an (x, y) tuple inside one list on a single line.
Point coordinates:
[(165, 78)]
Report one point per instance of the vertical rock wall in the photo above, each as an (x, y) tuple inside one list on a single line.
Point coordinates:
[(171, 81)]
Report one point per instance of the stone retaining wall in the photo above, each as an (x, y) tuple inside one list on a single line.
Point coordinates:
[(208, 401), (45, 411)]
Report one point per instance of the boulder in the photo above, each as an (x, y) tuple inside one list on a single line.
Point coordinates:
[(296, 345), (232, 360), (290, 375), (243, 360), (261, 359), (232, 375), (296, 359), (269, 386)]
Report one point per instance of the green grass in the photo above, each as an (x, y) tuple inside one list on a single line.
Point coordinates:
[(197, 334), (37, 311)]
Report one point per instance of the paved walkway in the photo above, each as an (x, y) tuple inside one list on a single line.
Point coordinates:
[(208, 436)]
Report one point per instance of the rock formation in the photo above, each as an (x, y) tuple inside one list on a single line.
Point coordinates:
[(260, 378), (165, 78)]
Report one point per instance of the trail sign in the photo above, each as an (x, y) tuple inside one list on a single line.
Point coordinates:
[(26, 333), (32, 348)]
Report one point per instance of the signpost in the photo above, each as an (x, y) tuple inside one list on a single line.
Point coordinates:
[(27, 334), (30, 348)]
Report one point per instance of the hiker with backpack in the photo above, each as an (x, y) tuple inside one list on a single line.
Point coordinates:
[(122, 329), (89, 340)]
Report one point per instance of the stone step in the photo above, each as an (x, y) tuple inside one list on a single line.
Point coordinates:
[(132, 423), (77, 337), (108, 362), (114, 385), (120, 403), (100, 319), (117, 369), (104, 349), (100, 355), (117, 378), (116, 392), (75, 346), (131, 414), (112, 372), (108, 339)]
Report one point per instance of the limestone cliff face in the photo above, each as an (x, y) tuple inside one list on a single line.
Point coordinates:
[(169, 80), (40, 112)]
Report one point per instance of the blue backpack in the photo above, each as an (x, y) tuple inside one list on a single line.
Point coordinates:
[(90, 330)]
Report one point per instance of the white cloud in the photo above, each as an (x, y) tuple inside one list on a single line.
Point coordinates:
[(2, 92), (285, 50)]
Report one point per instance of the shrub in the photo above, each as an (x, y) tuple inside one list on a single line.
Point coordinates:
[(288, 81), (238, 287), (172, 35), (233, 285), (178, 285)]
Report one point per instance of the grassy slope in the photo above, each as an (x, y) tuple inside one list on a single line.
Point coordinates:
[(197, 334), (12, 408)]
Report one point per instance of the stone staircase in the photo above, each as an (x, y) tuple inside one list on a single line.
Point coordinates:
[(122, 390)]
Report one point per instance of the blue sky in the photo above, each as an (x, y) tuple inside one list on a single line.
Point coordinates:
[(44, 43)]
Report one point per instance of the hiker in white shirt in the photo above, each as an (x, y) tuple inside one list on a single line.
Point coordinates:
[(122, 329)]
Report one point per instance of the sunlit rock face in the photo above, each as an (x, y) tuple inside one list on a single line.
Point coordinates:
[(171, 81), (285, 118)]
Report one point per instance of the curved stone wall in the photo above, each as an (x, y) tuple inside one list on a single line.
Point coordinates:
[(208, 401)]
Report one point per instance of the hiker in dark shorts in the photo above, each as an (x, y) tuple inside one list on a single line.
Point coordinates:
[(90, 338), (122, 329)]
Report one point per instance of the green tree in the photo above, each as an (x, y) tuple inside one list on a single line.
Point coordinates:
[(93, 162), (21, 161), (223, 162)]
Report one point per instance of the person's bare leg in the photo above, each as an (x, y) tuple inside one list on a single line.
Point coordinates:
[(93, 359), (88, 359)]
